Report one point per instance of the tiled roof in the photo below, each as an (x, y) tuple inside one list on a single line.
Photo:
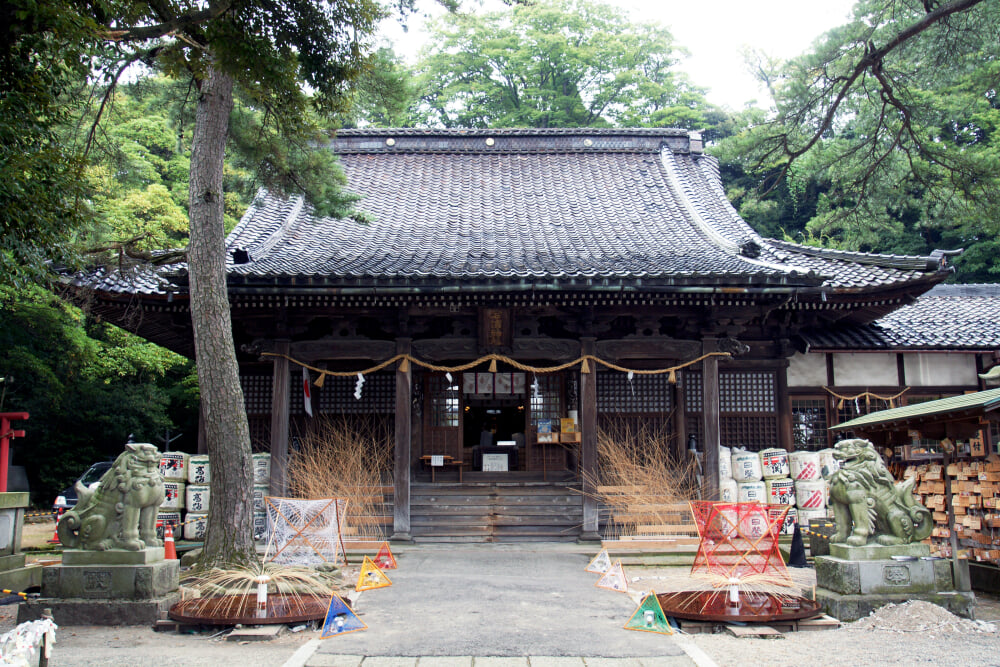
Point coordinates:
[(515, 206), (949, 317), (509, 205)]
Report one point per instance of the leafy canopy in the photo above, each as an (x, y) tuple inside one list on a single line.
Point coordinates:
[(554, 63)]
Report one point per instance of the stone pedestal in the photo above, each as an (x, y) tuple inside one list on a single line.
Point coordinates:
[(15, 574), (854, 581), (106, 588)]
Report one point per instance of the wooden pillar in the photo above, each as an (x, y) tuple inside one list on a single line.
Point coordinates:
[(401, 464), (784, 409), (710, 415), (280, 386), (588, 444), (680, 420)]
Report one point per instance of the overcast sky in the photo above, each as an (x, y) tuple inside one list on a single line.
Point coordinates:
[(714, 31)]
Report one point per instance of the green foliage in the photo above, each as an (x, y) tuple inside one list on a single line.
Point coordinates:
[(554, 63), (86, 386), (41, 63), (883, 137)]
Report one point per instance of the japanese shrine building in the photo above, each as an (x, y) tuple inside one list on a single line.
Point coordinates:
[(546, 247)]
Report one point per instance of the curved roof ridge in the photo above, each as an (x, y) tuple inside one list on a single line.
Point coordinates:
[(875, 259)]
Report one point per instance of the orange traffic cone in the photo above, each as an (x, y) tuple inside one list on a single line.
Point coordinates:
[(169, 550), (55, 531)]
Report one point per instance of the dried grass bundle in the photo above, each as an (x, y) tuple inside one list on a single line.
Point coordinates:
[(348, 458), (233, 592), (640, 479)]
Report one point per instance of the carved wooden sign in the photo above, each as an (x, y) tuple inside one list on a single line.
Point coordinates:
[(495, 329)]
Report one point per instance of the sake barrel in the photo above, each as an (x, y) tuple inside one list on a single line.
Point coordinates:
[(746, 466), (725, 463), (827, 464), (260, 526), (774, 463), (804, 465), (810, 494), (195, 526), (728, 490), (788, 527), (806, 514), (172, 519), (261, 468), (173, 496), (259, 491), (754, 525), (173, 466), (780, 491), (196, 498), (198, 470), (751, 492)]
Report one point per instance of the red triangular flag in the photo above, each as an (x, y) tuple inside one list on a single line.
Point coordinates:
[(385, 559)]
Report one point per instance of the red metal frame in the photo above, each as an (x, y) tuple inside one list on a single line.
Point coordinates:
[(6, 433)]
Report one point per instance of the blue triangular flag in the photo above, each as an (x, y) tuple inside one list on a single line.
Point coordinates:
[(340, 619)]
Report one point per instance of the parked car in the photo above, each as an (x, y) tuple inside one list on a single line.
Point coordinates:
[(67, 499)]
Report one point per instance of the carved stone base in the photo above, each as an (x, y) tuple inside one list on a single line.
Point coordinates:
[(98, 612), (112, 557), (852, 607), (111, 582), (878, 551), (883, 577)]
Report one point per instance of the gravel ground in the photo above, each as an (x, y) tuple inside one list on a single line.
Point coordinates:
[(914, 633)]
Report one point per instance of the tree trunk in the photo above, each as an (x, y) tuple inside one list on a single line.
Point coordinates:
[(230, 522)]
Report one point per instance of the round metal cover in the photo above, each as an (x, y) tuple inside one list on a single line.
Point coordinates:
[(242, 609), (752, 607)]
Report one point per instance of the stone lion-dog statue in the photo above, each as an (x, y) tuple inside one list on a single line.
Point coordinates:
[(868, 504), (121, 512)]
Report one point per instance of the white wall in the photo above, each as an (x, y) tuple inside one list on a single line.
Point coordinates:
[(865, 370), (807, 370), (925, 369)]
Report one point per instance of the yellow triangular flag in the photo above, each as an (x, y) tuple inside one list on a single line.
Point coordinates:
[(371, 577), (614, 579)]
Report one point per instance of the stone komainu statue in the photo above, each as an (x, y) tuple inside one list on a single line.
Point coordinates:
[(121, 512), (869, 505)]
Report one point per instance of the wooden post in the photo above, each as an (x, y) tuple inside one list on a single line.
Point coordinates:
[(680, 420), (588, 444), (401, 464), (784, 409), (710, 417), (279, 419), (959, 570)]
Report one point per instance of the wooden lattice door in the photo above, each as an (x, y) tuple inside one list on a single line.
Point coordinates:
[(442, 417)]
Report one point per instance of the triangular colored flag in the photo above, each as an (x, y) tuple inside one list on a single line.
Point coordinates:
[(384, 559), (649, 617), (614, 579), (600, 563), (306, 392), (371, 577), (340, 619)]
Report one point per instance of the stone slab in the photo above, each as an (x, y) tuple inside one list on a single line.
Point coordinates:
[(112, 556), (20, 579), (67, 612), (878, 551), (13, 499), (889, 577), (852, 607), (255, 634), (111, 582)]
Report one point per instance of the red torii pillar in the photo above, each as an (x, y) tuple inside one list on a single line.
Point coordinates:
[(5, 435)]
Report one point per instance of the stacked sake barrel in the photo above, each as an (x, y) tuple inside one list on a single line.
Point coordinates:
[(197, 497), (174, 468), (198, 493), (810, 487)]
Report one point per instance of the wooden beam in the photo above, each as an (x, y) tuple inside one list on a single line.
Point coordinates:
[(784, 409), (279, 420), (401, 464), (588, 444), (710, 417)]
